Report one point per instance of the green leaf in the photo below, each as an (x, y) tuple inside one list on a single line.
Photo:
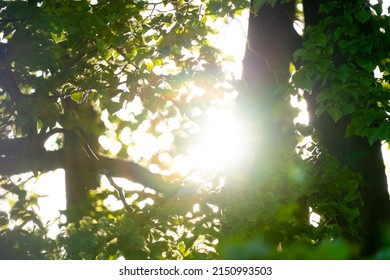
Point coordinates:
[(370, 116), (362, 15), (344, 72), (77, 96), (373, 135), (366, 46), (272, 2), (321, 109), (349, 213), (257, 4), (324, 95), (182, 247), (366, 63), (348, 108), (335, 113), (302, 79), (377, 8), (300, 54), (58, 38), (384, 132), (349, 47)]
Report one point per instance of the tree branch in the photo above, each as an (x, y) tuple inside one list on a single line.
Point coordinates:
[(44, 162), (135, 173), (122, 197)]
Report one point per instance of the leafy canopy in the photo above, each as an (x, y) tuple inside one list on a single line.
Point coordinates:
[(113, 70)]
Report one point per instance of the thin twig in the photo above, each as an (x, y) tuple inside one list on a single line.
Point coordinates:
[(122, 197)]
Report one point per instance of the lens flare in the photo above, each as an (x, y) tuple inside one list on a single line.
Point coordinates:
[(222, 143)]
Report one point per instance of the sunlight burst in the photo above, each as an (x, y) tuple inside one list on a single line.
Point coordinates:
[(222, 142)]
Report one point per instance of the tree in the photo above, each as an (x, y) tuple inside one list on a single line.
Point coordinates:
[(346, 119), (64, 66), (69, 70), (334, 60)]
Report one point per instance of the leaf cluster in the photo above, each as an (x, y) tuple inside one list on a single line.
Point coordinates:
[(340, 55)]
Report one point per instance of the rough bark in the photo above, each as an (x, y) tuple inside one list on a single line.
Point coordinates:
[(270, 45)]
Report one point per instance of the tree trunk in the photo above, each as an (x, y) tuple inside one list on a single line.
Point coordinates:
[(267, 114), (270, 45), (271, 42), (354, 152), (81, 173)]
